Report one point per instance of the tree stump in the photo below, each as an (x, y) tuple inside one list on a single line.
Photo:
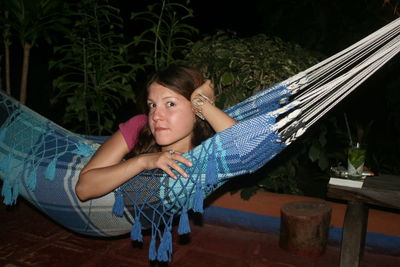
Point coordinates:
[(304, 227)]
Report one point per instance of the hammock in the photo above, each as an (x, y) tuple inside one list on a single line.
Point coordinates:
[(41, 160)]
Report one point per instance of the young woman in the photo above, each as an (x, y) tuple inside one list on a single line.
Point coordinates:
[(180, 108)]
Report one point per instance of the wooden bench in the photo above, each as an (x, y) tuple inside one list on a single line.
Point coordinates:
[(380, 191)]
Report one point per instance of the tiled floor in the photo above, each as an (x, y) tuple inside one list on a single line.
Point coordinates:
[(27, 238)]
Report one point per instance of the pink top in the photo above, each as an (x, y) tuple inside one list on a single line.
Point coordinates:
[(131, 129)]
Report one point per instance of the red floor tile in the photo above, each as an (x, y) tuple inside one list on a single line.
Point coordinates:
[(27, 238), (12, 243)]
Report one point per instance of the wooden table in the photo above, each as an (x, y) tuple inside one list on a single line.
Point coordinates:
[(380, 191)]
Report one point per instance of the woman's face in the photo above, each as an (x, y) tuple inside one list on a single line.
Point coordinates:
[(171, 118)]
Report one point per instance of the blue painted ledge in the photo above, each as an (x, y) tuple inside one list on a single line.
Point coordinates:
[(271, 225)]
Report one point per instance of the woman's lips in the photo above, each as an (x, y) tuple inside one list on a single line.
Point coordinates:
[(159, 129)]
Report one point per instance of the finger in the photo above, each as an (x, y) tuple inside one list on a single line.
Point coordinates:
[(178, 157), (168, 171), (178, 168)]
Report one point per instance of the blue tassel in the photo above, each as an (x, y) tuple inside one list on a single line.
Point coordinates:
[(168, 242), (118, 207), (51, 170), (6, 192), (162, 254), (136, 233), (198, 199), (211, 175), (5, 163), (83, 149), (184, 226), (165, 248), (31, 181), (15, 192), (10, 192), (152, 248)]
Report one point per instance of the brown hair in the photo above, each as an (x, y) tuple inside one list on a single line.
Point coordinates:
[(183, 80)]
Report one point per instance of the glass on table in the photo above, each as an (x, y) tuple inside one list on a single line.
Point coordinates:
[(355, 161)]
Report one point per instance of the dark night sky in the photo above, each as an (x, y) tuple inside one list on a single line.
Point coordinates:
[(325, 25)]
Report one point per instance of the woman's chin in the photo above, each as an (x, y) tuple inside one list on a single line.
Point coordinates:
[(164, 143), (182, 145)]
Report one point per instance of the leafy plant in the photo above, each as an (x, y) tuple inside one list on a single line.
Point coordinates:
[(393, 5), (30, 20), (6, 34), (167, 34), (240, 67), (94, 73)]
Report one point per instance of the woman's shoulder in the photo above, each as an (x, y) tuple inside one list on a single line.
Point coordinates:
[(131, 128), (136, 121)]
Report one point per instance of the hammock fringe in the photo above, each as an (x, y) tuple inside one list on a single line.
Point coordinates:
[(198, 199), (118, 207), (31, 181), (6, 192), (136, 233), (164, 252), (184, 226), (152, 248)]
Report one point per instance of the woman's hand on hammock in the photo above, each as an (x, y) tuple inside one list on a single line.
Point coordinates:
[(106, 171), (205, 108), (165, 161)]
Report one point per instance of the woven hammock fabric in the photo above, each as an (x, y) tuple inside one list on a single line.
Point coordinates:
[(41, 161)]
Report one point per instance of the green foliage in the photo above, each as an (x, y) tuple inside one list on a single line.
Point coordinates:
[(393, 5), (34, 19), (5, 27), (95, 75), (29, 21), (240, 67), (95, 72), (167, 33)]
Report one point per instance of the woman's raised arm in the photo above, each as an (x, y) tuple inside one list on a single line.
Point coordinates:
[(203, 105)]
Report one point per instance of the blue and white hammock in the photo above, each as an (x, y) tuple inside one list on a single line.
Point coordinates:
[(41, 161)]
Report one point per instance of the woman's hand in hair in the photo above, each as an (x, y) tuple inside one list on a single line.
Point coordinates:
[(206, 89), (165, 161), (203, 106)]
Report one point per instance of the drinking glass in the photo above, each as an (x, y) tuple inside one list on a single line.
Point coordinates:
[(355, 161)]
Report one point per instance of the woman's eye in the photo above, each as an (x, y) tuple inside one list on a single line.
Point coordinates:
[(151, 105), (170, 104)]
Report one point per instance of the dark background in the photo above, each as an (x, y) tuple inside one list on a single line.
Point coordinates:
[(323, 26)]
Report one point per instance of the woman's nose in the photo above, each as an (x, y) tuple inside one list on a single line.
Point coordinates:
[(157, 114)]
